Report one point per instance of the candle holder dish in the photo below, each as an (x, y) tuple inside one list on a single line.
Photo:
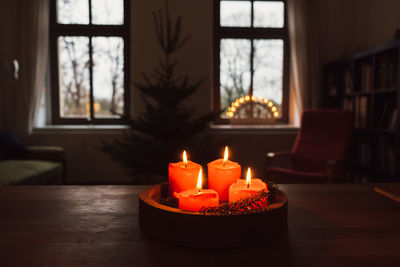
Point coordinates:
[(196, 229)]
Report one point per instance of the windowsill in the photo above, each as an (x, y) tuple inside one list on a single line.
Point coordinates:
[(215, 129), (254, 129), (80, 129)]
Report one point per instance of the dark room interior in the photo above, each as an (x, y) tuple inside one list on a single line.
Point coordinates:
[(199, 133)]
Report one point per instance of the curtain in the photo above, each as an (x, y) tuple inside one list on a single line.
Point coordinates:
[(304, 59), (32, 41)]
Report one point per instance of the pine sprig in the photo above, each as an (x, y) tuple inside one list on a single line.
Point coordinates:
[(258, 202), (243, 206), (273, 189)]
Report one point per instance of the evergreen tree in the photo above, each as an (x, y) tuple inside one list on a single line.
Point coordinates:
[(166, 127)]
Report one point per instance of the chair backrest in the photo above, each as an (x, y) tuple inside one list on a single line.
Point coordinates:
[(324, 135)]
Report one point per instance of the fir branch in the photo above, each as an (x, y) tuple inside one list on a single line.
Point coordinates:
[(273, 189), (161, 30), (177, 32), (158, 34), (169, 44), (256, 203), (182, 42)]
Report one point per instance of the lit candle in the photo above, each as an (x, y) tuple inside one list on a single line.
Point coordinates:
[(245, 188), (182, 175), (195, 199), (221, 174)]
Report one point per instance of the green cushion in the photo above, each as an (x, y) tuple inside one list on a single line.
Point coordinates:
[(29, 172)]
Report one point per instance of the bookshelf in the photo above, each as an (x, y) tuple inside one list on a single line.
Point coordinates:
[(368, 83)]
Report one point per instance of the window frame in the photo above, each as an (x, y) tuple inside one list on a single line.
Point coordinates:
[(87, 30), (251, 33)]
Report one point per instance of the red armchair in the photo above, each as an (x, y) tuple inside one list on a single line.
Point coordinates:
[(319, 150)]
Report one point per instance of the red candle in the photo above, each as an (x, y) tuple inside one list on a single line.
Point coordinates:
[(195, 199), (182, 175), (221, 174), (245, 188)]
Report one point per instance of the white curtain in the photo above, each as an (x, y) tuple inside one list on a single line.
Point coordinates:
[(304, 67), (32, 41)]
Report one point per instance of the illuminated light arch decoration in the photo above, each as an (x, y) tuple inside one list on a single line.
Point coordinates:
[(239, 102)]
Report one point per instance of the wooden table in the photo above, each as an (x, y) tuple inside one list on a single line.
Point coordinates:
[(329, 225)]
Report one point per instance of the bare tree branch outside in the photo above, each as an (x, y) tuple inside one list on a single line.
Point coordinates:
[(107, 58)]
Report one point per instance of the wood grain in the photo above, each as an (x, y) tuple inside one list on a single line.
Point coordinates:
[(329, 225)]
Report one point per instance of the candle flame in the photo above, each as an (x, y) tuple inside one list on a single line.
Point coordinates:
[(248, 177), (185, 161), (226, 154), (199, 181)]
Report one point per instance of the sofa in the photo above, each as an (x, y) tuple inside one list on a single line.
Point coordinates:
[(41, 166), (34, 165)]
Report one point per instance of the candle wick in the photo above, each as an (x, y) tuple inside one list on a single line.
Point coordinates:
[(248, 185), (223, 164)]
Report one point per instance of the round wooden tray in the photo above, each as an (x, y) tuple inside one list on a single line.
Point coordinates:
[(193, 229)]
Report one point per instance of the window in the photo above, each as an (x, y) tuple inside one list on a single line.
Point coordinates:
[(251, 61), (89, 42)]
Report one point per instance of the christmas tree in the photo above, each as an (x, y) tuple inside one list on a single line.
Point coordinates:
[(166, 127)]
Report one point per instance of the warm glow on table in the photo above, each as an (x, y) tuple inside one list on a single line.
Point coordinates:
[(182, 175), (244, 188), (196, 198), (221, 174)]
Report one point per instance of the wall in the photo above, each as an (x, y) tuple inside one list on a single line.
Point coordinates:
[(8, 49), (354, 25), (8, 28), (376, 21)]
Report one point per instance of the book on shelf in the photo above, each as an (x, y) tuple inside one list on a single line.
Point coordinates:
[(369, 78), (386, 155), (386, 75), (393, 120), (363, 153), (391, 191), (366, 78), (332, 88), (391, 160), (390, 75), (347, 104), (360, 179), (348, 82), (388, 116), (361, 110), (382, 116)]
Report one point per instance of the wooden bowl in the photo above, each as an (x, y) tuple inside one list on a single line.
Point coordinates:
[(193, 229)]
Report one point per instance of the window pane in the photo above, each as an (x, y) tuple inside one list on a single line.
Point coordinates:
[(108, 76), (74, 76), (268, 14), (73, 11), (234, 70), (268, 70), (108, 12), (235, 13)]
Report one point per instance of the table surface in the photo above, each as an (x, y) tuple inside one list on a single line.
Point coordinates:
[(329, 225)]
